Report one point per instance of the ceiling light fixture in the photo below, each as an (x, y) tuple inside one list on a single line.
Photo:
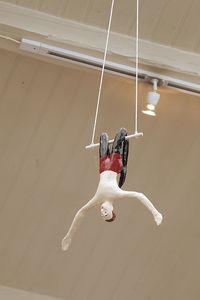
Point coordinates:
[(152, 100)]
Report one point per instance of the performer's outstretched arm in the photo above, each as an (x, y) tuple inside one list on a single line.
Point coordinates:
[(143, 199), (77, 219)]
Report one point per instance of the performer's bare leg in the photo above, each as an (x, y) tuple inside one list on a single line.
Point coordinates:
[(144, 200), (104, 146), (121, 146)]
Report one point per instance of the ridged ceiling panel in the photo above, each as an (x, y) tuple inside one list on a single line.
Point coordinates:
[(46, 117), (174, 23)]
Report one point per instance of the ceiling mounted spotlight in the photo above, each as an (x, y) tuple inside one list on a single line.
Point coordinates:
[(152, 99)]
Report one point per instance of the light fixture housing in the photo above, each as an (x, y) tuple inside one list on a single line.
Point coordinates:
[(149, 112), (152, 100)]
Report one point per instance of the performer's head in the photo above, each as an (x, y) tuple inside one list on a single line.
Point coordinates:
[(107, 212)]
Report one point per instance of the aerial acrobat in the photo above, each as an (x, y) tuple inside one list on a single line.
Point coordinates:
[(111, 163)]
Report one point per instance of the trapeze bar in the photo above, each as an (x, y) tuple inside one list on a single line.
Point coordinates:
[(91, 146)]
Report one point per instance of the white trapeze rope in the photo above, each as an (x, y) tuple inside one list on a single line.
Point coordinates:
[(136, 67), (102, 72), (136, 134)]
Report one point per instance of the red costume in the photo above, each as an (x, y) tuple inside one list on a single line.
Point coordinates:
[(114, 159), (112, 162)]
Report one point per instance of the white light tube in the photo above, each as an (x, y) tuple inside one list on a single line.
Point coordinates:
[(94, 62)]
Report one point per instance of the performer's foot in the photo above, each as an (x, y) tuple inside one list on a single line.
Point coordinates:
[(158, 218)]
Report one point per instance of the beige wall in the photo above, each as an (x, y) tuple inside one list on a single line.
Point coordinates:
[(46, 117)]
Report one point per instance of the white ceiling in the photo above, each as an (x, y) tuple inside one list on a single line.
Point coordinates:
[(174, 23), (168, 46)]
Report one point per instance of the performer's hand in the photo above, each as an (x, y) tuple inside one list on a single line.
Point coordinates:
[(158, 218), (66, 243)]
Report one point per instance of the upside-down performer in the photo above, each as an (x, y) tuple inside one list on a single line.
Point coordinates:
[(111, 164)]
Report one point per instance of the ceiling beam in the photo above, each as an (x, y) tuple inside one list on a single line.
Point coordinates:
[(23, 22)]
